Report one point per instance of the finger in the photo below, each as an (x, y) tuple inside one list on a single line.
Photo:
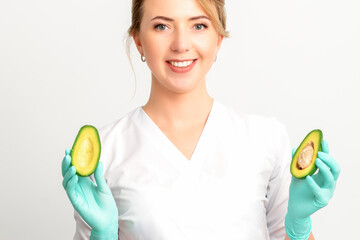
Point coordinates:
[(324, 170), (315, 189), (67, 151), (99, 178), (68, 175), (65, 164), (325, 146), (331, 163), (70, 189), (293, 152)]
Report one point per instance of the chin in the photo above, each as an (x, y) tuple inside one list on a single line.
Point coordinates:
[(182, 85)]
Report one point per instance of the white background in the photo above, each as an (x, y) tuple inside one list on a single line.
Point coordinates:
[(63, 65)]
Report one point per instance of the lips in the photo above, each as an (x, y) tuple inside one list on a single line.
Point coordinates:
[(181, 66)]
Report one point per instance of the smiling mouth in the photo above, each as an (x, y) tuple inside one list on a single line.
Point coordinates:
[(181, 64)]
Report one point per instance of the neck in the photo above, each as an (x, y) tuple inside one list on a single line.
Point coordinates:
[(179, 110)]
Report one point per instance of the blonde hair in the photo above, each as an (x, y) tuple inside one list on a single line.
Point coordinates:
[(215, 10)]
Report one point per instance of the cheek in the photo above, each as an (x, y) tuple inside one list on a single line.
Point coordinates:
[(206, 47), (154, 49)]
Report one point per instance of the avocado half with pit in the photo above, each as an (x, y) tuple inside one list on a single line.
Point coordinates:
[(303, 161), (85, 152)]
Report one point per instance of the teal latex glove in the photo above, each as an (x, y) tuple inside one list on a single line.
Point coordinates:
[(94, 202), (308, 195)]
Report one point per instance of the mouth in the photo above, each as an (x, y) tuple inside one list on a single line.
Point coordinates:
[(181, 66)]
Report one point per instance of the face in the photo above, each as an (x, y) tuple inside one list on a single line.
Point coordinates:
[(179, 43)]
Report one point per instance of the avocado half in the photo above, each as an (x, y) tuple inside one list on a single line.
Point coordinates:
[(85, 152), (303, 161)]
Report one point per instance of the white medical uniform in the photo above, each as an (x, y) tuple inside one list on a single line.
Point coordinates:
[(235, 186)]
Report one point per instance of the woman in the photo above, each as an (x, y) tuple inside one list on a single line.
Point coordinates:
[(185, 166)]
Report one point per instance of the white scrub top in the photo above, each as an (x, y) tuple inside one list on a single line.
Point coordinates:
[(235, 186)]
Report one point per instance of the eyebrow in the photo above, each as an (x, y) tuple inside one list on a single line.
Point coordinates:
[(171, 20)]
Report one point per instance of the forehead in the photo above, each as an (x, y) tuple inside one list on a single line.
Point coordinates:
[(172, 8)]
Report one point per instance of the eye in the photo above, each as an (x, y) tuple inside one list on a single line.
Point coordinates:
[(161, 27), (200, 26)]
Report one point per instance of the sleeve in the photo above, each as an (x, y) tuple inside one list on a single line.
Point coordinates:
[(83, 230), (279, 182)]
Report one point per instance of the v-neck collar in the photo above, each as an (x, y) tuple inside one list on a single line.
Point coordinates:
[(158, 136)]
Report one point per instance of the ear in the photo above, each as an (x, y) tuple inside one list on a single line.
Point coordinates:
[(220, 39), (137, 41)]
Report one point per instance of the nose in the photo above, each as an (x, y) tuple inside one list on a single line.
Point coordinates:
[(181, 41)]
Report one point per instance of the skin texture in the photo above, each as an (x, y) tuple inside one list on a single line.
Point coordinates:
[(176, 99)]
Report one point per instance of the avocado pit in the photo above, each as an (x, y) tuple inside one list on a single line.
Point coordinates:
[(305, 156)]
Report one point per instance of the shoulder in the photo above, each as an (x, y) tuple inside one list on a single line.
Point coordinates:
[(118, 127), (265, 133), (116, 137), (253, 124)]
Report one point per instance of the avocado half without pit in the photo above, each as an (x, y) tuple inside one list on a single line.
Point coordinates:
[(85, 152), (303, 161)]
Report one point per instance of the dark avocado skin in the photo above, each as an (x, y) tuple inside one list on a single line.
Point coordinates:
[(316, 137), (96, 140)]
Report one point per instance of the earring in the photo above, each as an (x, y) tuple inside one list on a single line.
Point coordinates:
[(143, 58), (215, 58)]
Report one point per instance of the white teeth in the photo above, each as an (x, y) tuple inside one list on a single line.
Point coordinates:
[(181, 64)]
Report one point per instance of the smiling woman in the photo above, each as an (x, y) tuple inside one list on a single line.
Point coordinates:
[(179, 43), (212, 12), (174, 168)]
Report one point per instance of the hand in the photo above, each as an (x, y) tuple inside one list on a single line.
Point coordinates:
[(308, 195), (94, 202)]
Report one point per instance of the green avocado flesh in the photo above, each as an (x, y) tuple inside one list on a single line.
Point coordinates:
[(85, 152), (303, 161)]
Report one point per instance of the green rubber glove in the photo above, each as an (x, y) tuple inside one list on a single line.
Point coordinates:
[(94, 202), (308, 195)]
